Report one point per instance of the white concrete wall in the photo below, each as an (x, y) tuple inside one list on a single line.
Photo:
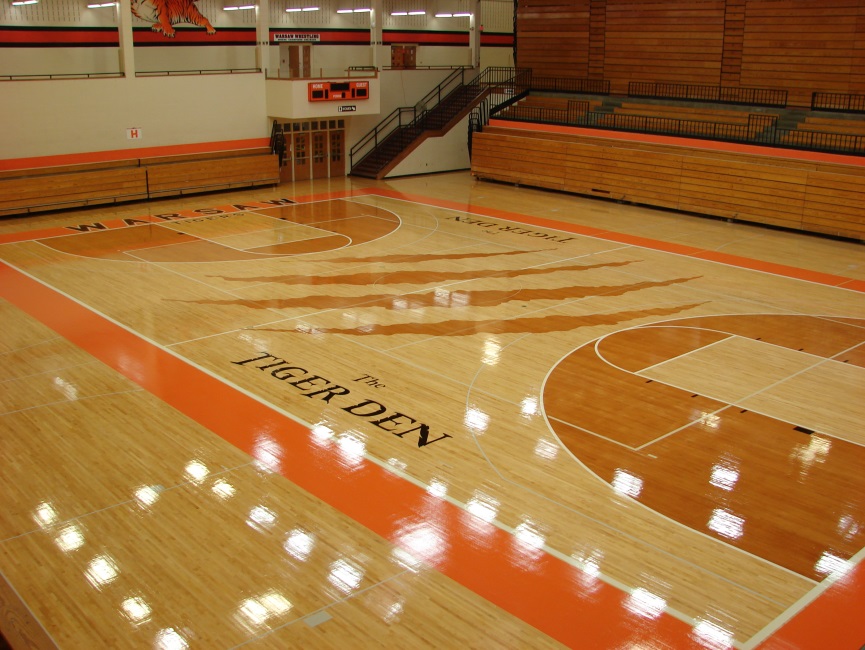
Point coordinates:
[(56, 117), (46, 118), (447, 153)]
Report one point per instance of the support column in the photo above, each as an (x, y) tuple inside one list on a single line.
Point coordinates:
[(126, 53), (376, 18), (262, 35), (475, 24)]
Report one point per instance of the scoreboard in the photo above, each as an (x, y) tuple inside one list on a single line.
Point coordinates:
[(328, 91)]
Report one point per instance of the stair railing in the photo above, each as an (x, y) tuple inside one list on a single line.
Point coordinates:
[(500, 79), (504, 91), (404, 116), (277, 142)]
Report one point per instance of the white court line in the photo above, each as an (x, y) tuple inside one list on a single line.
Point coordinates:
[(599, 237), (576, 235), (800, 604), (661, 324)]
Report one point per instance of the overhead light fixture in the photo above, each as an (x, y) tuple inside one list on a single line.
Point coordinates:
[(296, 9), (453, 15), (353, 11), (101, 5), (417, 13), (408, 13), (238, 7), (19, 3)]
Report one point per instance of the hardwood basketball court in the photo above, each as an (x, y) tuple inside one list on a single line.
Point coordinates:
[(429, 412)]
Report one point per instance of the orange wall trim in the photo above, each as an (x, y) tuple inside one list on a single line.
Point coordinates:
[(11, 164), (691, 143)]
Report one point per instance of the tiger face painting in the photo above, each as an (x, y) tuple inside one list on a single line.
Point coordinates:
[(165, 13)]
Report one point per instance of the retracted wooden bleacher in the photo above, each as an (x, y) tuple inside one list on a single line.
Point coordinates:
[(822, 197), (52, 188), (70, 186), (206, 172)]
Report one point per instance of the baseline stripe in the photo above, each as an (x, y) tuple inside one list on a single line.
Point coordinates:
[(481, 557)]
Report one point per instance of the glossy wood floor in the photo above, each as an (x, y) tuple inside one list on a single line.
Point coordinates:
[(428, 412)]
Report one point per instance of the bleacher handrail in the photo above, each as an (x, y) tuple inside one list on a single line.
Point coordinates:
[(769, 97), (761, 128), (840, 102), (499, 98), (570, 85), (843, 143)]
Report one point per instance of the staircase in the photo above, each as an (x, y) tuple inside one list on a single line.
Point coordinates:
[(388, 152), (401, 132)]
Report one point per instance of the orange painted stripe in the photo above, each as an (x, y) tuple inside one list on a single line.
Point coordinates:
[(644, 242), (782, 270), (547, 597), (691, 143), (833, 621), (481, 557), (14, 164)]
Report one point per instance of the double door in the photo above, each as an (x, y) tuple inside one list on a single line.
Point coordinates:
[(295, 61), (314, 154)]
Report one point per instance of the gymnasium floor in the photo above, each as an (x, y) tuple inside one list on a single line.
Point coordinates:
[(428, 412)]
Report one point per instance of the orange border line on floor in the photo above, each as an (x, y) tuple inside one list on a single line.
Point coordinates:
[(481, 557), (783, 270), (832, 621), (828, 618), (793, 272)]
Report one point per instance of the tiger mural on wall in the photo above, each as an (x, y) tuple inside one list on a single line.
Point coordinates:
[(165, 13)]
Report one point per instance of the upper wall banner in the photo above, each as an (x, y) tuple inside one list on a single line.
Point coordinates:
[(164, 14)]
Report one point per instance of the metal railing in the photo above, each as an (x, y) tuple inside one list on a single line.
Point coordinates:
[(753, 131), (500, 97), (351, 72), (115, 75), (843, 143), (278, 144), (701, 93), (574, 113), (842, 102), (426, 67), (68, 75), (499, 79), (403, 116), (760, 129), (172, 73), (570, 85)]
